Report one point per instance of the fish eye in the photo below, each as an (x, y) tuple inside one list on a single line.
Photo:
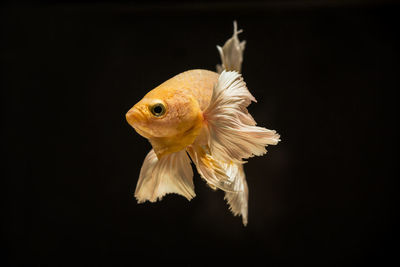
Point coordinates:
[(157, 110)]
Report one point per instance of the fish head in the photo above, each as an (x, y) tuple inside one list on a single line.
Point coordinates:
[(168, 117)]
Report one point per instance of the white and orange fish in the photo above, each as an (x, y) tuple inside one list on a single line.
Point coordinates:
[(200, 115)]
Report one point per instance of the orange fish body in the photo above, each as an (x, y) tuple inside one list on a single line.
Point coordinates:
[(202, 115)]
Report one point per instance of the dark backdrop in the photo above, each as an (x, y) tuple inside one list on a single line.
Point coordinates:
[(324, 74)]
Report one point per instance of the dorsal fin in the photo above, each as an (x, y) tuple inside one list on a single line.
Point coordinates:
[(231, 52)]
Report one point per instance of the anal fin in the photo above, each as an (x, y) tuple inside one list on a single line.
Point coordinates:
[(170, 174)]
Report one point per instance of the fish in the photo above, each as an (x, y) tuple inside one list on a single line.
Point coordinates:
[(200, 116)]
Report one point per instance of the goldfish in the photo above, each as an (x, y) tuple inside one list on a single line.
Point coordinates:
[(200, 116)]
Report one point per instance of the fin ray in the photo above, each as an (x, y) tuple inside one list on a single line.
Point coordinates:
[(210, 169), (233, 132), (238, 201), (231, 52)]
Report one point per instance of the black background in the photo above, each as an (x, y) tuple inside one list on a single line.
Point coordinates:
[(325, 74)]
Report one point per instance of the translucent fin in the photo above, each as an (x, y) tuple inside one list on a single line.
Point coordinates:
[(210, 169), (233, 135), (237, 200), (232, 52), (227, 177), (171, 174)]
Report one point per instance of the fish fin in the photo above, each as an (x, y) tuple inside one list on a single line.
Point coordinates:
[(170, 174), (231, 52), (209, 168), (233, 134), (238, 201), (229, 177)]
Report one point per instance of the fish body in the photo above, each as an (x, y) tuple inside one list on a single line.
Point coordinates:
[(200, 116)]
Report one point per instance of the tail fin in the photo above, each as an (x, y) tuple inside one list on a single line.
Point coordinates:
[(232, 52)]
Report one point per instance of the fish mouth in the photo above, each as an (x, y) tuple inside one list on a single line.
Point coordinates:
[(135, 118)]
